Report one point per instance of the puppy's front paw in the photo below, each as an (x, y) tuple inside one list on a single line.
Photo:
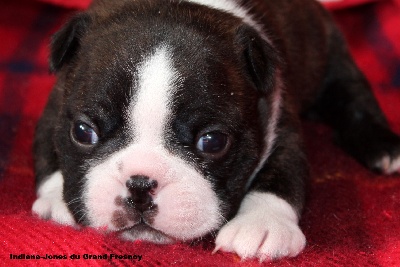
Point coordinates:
[(50, 204), (266, 227)]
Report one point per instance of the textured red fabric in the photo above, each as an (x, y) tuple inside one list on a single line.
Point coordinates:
[(352, 217)]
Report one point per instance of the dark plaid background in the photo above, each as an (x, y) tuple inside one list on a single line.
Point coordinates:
[(352, 216)]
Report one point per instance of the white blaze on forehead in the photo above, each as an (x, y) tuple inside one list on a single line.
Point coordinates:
[(156, 80)]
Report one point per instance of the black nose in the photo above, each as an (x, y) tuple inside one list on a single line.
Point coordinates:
[(140, 187)]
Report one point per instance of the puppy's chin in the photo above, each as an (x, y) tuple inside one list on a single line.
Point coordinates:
[(144, 232)]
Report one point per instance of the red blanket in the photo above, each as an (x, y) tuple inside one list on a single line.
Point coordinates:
[(352, 217)]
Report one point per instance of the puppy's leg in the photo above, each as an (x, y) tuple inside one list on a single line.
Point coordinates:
[(45, 156), (348, 105), (50, 203), (266, 225)]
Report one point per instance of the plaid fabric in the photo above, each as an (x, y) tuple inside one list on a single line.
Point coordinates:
[(352, 217)]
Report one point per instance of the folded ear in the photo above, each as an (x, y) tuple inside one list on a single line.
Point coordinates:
[(65, 42), (259, 57)]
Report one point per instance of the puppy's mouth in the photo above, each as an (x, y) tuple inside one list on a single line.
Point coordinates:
[(144, 231), (142, 227)]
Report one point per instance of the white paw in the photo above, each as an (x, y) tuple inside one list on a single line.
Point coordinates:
[(50, 204), (388, 166), (266, 227), (394, 166)]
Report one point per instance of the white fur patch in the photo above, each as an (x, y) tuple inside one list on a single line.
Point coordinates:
[(229, 6), (395, 166), (388, 166), (151, 108), (232, 7), (187, 206), (50, 203), (266, 227)]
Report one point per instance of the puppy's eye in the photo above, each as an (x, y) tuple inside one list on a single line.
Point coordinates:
[(84, 134), (213, 143)]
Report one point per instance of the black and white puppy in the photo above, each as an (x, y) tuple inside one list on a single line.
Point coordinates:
[(174, 119)]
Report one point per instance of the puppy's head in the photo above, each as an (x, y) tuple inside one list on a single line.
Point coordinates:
[(160, 126)]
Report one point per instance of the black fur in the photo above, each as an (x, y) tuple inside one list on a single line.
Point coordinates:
[(229, 69), (66, 42)]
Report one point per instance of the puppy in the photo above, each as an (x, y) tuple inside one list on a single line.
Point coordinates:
[(174, 119)]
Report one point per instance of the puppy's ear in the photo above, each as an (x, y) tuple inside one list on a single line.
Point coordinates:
[(259, 57), (65, 42)]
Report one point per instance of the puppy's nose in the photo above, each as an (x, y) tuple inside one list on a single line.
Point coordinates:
[(140, 187)]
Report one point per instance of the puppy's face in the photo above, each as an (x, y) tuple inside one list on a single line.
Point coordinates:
[(159, 129)]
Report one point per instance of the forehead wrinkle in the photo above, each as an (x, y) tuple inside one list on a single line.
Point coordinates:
[(156, 82)]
